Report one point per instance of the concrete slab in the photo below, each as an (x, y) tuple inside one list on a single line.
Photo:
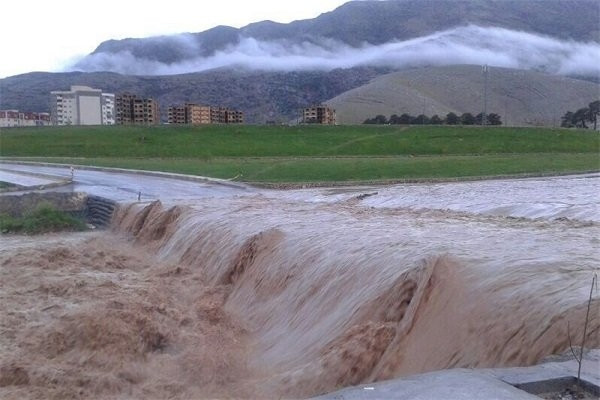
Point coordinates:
[(564, 367), (25, 180), (127, 185), (491, 383), (456, 384)]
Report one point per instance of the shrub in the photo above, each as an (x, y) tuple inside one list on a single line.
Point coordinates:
[(43, 219)]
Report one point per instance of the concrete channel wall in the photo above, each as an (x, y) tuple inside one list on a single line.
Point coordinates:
[(99, 211), (95, 210)]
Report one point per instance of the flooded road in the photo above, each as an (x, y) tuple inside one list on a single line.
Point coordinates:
[(574, 197)]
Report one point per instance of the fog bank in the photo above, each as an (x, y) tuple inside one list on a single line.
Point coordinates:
[(463, 45)]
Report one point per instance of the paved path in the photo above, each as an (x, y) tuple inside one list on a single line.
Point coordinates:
[(24, 179), (122, 185)]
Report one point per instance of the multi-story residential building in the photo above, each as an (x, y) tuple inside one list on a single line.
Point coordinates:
[(235, 117), (319, 114), (108, 109), (177, 115), (197, 115), (82, 105), (218, 115), (130, 109), (12, 118)]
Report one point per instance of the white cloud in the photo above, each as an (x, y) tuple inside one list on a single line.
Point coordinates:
[(464, 45)]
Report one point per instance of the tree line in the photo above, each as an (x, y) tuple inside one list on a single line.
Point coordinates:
[(581, 117), (450, 119)]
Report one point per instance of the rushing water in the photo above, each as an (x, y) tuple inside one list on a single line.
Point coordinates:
[(574, 197), (350, 289), (297, 293)]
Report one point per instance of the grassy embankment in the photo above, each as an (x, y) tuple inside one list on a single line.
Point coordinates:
[(314, 153), (43, 219)]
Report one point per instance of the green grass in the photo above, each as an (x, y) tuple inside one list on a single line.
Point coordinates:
[(314, 153), (308, 169), (43, 219)]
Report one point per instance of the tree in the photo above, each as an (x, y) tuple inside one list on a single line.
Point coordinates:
[(452, 119), (379, 119), (405, 119), (421, 119), (479, 118), (567, 120), (594, 112), (467, 119), (494, 119), (394, 119), (580, 117), (435, 120)]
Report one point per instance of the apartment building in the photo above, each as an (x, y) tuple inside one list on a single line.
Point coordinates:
[(82, 105), (235, 117), (177, 115), (13, 118), (319, 114), (198, 115), (108, 109), (133, 110)]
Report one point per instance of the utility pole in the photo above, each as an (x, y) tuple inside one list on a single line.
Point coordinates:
[(485, 89)]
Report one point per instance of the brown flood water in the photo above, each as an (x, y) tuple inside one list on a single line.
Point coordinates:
[(268, 298)]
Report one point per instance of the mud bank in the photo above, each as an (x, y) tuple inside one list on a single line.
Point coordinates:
[(267, 298)]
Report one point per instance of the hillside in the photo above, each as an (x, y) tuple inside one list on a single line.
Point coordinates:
[(378, 22), (262, 96), (520, 97)]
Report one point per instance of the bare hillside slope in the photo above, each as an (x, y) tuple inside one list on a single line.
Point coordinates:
[(520, 97)]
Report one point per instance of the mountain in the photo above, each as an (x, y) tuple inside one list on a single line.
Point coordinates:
[(271, 70), (378, 22), (519, 97), (261, 95)]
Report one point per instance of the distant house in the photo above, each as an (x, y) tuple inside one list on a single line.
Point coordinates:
[(14, 118), (319, 114), (82, 105), (195, 114), (133, 110)]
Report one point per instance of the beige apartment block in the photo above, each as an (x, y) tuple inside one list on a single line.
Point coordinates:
[(319, 114), (195, 114), (82, 105)]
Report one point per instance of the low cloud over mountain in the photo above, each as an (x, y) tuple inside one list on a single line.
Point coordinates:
[(462, 45)]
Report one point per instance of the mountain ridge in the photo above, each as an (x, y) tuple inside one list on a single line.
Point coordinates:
[(376, 22)]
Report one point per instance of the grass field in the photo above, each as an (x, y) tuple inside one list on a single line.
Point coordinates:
[(314, 153)]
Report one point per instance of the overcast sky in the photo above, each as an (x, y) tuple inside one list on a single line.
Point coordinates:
[(45, 35)]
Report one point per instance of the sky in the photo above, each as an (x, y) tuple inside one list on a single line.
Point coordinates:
[(48, 35)]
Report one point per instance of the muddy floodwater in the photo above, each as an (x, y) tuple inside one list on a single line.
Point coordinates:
[(297, 293)]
